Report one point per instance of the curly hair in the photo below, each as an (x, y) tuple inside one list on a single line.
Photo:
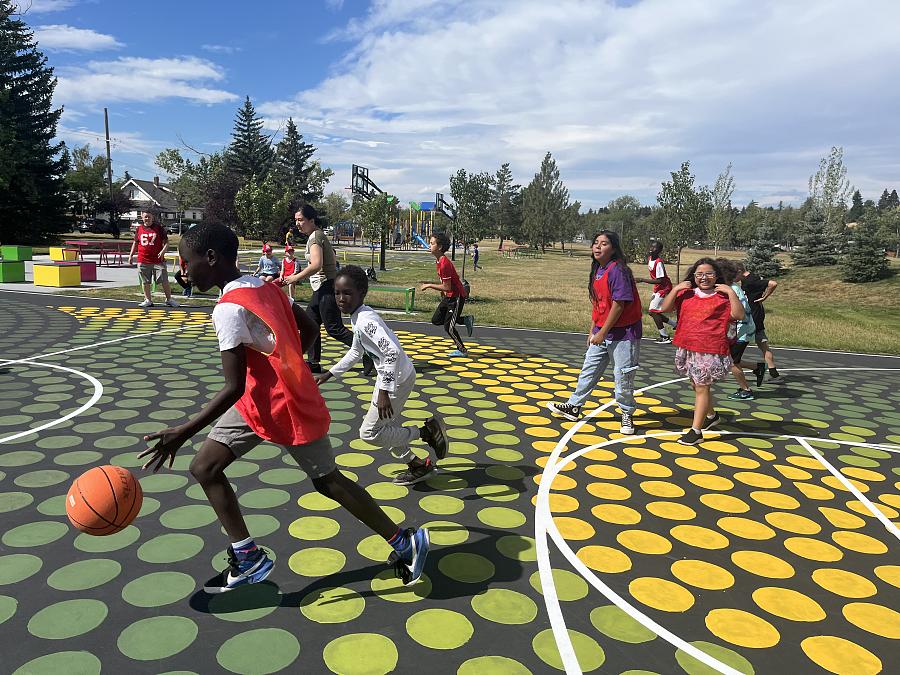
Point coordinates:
[(212, 236), (442, 240), (357, 277)]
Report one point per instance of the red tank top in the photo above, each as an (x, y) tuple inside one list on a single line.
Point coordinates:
[(281, 401), (703, 322), (289, 266), (603, 302)]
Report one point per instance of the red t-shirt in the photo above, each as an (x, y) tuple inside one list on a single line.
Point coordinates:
[(447, 272), (150, 243)]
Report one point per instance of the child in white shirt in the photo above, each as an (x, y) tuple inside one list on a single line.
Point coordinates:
[(393, 385)]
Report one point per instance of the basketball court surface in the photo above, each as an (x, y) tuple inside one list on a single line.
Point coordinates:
[(772, 547)]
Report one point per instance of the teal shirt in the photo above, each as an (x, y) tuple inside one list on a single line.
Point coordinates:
[(746, 329)]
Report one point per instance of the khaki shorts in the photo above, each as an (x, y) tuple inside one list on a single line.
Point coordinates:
[(147, 272), (315, 458)]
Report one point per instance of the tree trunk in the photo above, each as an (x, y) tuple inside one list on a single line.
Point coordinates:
[(716, 250), (500, 247), (678, 264)]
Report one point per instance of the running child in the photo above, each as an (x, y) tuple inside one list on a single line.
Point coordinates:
[(396, 378), (615, 331), (661, 287), (151, 243), (475, 257), (453, 295), (705, 306), (758, 290), (742, 333), (267, 268), (288, 267), (181, 280), (269, 394)]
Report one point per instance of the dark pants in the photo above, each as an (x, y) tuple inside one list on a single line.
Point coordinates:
[(447, 314), (322, 308)]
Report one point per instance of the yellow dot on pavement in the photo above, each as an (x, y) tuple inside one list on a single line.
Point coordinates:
[(762, 564), (616, 514), (875, 619), (574, 528), (864, 474), (701, 537), (844, 583), (605, 471), (724, 503), (643, 541), (661, 594), (696, 464), (890, 574), (791, 522), (651, 470), (609, 491), (711, 482), (671, 510), (863, 510), (792, 472), (560, 482), (739, 462), (560, 503), (836, 484), (788, 604), (813, 549), (775, 500), (837, 655), (806, 462), (640, 453), (746, 528), (859, 542), (604, 559), (598, 455), (720, 446), (811, 491), (742, 628), (661, 488), (702, 574), (758, 480)]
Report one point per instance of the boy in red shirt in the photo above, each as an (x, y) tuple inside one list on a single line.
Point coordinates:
[(269, 394), (661, 287), (453, 294), (151, 242)]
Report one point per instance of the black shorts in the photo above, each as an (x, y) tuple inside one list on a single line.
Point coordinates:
[(737, 351)]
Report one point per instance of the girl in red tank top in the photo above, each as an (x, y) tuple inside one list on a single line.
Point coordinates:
[(288, 267), (705, 305)]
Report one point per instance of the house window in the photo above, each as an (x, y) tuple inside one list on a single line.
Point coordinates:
[(132, 195)]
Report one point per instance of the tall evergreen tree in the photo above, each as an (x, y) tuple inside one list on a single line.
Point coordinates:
[(545, 201), (761, 255), (893, 200), (883, 200), (32, 165), (502, 209), (293, 164), (814, 248), (250, 153), (865, 259), (856, 210)]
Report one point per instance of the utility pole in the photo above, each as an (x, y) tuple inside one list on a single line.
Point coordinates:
[(108, 157)]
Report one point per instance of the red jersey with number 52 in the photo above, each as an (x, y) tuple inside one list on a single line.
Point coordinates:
[(150, 242)]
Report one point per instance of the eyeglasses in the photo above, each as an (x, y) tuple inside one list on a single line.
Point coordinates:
[(704, 275)]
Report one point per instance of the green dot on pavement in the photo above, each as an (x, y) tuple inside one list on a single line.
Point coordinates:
[(158, 588), (84, 574), (492, 665), (157, 637), (67, 619), (332, 605), (359, 653), (692, 666), (439, 628), (504, 606), (614, 623), (80, 662), (589, 654), (264, 650)]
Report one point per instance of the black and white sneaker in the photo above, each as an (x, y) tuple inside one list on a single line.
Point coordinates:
[(567, 410), (663, 340), (434, 433), (415, 473), (627, 426), (240, 572), (690, 437), (710, 422), (410, 565)]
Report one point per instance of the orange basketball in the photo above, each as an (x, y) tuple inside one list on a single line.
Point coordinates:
[(104, 500)]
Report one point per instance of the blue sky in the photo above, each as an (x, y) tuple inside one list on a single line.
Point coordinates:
[(619, 92)]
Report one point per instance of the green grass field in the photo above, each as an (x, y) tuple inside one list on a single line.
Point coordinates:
[(811, 307)]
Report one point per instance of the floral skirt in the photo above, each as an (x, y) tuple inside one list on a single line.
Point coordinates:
[(702, 368)]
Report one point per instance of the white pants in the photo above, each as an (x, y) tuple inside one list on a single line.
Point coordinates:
[(389, 433)]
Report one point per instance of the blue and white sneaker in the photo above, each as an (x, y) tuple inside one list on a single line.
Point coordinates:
[(457, 353), (408, 566), (240, 572)]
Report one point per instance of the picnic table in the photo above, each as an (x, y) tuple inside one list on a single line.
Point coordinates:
[(108, 250)]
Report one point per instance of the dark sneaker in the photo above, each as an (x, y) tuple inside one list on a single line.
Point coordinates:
[(710, 422), (415, 473), (777, 379), (411, 563), (663, 340), (434, 433), (627, 426), (469, 322), (368, 365), (240, 572), (741, 395), (760, 372), (570, 412), (314, 366), (690, 437)]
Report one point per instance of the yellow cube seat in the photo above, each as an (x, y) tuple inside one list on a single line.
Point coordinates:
[(57, 275), (60, 254)]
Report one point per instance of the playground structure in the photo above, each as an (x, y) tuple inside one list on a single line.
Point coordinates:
[(418, 228)]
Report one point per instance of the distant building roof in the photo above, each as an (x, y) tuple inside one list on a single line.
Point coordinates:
[(160, 193)]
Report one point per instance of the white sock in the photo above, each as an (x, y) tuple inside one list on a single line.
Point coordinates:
[(241, 543), (709, 417), (663, 332), (695, 430)]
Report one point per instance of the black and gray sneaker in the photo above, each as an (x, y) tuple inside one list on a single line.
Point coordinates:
[(741, 395), (434, 433), (567, 410), (663, 340), (690, 437), (710, 422), (240, 572), (414, 473), (627, 426), (776, 379)]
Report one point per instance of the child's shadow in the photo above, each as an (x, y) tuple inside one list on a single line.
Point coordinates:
[(453, 571), (500, 481)]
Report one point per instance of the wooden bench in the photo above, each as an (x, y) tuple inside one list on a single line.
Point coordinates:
[(409, 300)]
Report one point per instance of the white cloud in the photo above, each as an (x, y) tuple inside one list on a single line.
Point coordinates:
[(61, 36), (619, 94), (221, 49), (140, 79), (42, 6), (334, 5)]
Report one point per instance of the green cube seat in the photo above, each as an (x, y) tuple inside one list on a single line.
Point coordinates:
[(12, 253), (11, 271)]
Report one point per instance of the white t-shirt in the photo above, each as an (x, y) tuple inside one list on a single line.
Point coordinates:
[(235, 325)]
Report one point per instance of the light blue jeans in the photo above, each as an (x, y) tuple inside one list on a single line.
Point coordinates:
[(625, 355)]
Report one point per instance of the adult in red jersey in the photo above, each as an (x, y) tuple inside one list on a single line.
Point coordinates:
[(661, 287), (705, 306), (151, 243)]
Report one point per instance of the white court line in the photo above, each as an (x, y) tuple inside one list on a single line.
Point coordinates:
[(850, 486), (543, 516), (98, 392)]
